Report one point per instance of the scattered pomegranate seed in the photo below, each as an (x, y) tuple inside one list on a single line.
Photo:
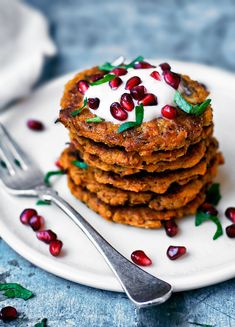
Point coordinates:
[(148, 100), (230, 214), (138, 92), (118, 112), (133, 81), (127, 102), (209, 208), (119, 71), (35, 125), (156, 75), (115, 83), (93, 103), (169, 112), (55, 247), (165, 66), (140, 258), (46, 236), (8, 313), (26, 214), (82, 86), (36, 222), (171, 227), (143, 65), (96, 77), (230, 231), (174, 252), (58, 164), (172, 79)]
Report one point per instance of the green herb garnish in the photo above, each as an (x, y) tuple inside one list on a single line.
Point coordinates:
[(132, 63), (139, 116), (105, 79), (213, 195), (202, 216), (196, 110), (50, 174), (108, 66), (80, 164), (77, 112), (94, 120), (43, 202), (43, 323), (14, 290)]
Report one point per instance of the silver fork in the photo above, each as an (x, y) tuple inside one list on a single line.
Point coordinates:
[(20, 176)]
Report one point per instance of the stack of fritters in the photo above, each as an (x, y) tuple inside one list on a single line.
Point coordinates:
[(147, 174)]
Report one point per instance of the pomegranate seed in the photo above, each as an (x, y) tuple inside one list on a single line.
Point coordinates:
[(127, 102), (8, 313), (172, 79), (119, 71), (208, 208), (35, 125), (156, 75), (58, 164), (171, 228), (36, 222), (26, 214), (165, 66), (96, 77), (174, 252), (230, 231), (82, 86), (93, 103), (169, 112), (140, 258), (118, 112), (133, 81), (115, 83), (46, 236), (148, 100), (138, 92), (55, 247), (230, 214), (143, 65)]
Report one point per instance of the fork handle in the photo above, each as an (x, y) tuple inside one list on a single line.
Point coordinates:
[(142, 288)]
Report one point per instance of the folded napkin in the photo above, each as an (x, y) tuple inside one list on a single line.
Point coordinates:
[(24, 43)]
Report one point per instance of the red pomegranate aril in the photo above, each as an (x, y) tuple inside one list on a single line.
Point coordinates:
[(174, 252), (82, 86), (58, 164), (46, 236), (140, 258), (230, 214), (169, 112), (119, 71), (55, 247), (26, 214), (133, 81), (36, 222), (96, 77), (148, 100), (138, 92), (165, 66), (156, 75), (93, 103), (127, 102), (209, 209), (230, 231), (171, 227), (35, 125), (143, 65), (118, 112), (8, 313), (172, 79), (115, 83)]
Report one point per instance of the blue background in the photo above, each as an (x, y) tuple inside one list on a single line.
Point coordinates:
[(88, 32)]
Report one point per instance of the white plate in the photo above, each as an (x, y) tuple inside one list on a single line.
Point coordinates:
[(207, 261)]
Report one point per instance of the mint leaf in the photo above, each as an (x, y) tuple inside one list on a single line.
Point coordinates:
[(105, 79), (139, 116), (50, 174), (108, 66), (77, 112), (43, 323), (184, 105), (80, 164), (14, 290), (43, 202), (202, 216), (132, 63), (213, 195), (94, 120)]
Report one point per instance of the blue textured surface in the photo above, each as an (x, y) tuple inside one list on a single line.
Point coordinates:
[(91, 31)]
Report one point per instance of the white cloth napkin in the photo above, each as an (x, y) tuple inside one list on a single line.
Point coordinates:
[(24, 43)]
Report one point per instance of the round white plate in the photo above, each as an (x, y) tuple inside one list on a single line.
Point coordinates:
[(207, 261)]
